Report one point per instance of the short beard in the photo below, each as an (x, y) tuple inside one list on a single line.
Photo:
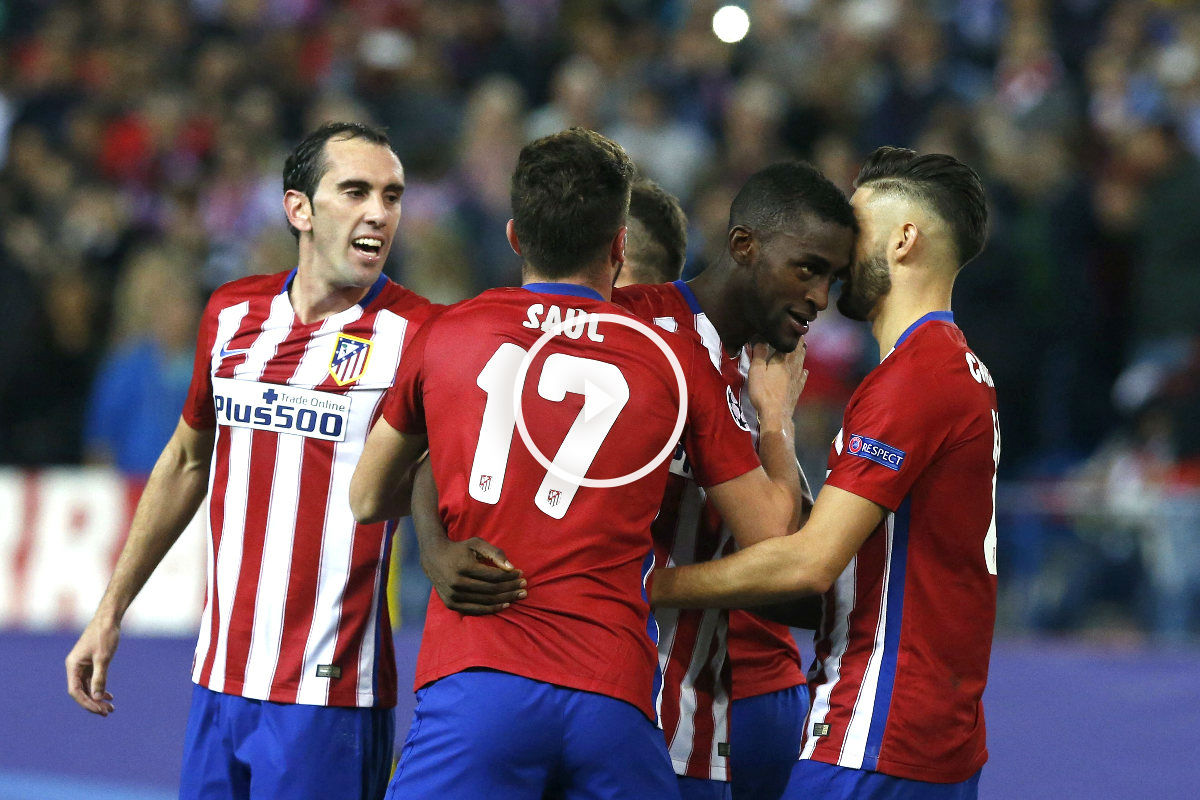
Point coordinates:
[(863, 291)]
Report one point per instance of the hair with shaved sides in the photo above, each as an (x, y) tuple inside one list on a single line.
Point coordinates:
[(656, 245), (307, 163), (776, 197), (939, 183)]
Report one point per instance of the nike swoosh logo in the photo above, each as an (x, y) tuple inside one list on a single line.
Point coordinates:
[(227, 353)]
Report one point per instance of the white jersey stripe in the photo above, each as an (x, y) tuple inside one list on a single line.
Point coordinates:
[(275, 568), (228, 321), (855, 743), (275, 329), (229, 558), (844, 589)]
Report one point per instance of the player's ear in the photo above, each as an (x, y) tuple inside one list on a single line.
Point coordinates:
[(510, 231), (742, 245), (904, 240), (298, 209), (617, 249)]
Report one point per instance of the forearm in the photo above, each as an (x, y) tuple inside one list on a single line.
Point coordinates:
[(426, 516), (172, 496), (777, 451), (381, 486), (769, 572)]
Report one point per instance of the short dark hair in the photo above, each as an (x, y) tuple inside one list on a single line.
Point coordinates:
[(776, 196), (570, 195), (657, 243), (942, 183), (306, 164)]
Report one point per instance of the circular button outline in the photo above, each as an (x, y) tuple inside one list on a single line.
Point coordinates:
[(580, 480)]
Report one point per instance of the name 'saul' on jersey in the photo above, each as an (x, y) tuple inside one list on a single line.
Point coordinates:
[(572, 323)]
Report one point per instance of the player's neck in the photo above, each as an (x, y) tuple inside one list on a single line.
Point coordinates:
[(715, 292), (314, 300), (589, 279), (905, 304)]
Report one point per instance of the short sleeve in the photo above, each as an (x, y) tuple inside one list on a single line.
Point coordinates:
[(404, 403), (890, 434), (198, 409), (717, 438)]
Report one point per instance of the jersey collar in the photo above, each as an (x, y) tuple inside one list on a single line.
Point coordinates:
[(573, 289), (371, 294), (688, 295), (944, 316)]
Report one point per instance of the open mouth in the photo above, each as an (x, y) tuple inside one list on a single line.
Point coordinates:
[(801, 322), (369, 246)]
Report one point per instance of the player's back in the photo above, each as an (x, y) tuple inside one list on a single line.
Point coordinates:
[(600, 400)]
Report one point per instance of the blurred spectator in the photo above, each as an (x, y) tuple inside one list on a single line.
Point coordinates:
[(125, 123), (142, 382)]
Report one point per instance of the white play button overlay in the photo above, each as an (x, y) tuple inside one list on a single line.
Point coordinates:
[(595, 400)]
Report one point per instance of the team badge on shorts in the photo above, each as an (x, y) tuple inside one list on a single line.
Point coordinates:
[(350, 355)]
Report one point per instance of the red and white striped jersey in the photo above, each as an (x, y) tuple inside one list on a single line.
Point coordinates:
[(295, 610), (693, 643), (903, 647)]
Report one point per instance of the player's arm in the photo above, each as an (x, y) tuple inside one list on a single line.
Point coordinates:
[(173, 494), (772, 495), (472, 577), (806, 562), (382, 482)]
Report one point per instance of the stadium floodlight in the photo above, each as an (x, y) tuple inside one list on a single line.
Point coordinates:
[(731, 24)]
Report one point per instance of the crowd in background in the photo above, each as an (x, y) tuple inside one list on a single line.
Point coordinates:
[(141, 143)]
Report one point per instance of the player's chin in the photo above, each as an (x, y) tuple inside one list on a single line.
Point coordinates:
[(785, 340)]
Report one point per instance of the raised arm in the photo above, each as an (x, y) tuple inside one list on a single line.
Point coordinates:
[(768, 502), (382, 484), (806, 562), (173, 494), (775, 383)]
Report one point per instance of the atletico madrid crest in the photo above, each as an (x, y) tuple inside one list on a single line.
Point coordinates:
[(350, 355)]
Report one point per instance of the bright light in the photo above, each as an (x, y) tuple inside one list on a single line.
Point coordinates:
[(731, 23)]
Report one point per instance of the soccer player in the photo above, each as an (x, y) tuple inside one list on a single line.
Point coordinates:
[(790, 231), (656, 236), (294, 671), (556, 693), (902, 539)]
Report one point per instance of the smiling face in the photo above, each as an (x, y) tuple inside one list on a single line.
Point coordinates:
[(869, 279), (348, 227), (791, 271)]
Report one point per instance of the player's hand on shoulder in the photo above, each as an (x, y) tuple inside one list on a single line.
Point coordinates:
[(87, 667), (473, 577), (776, 380)]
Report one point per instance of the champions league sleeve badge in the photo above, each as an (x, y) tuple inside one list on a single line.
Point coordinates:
[(350, 354)]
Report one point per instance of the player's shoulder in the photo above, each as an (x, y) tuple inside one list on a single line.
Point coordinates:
[(404, 301), (648, 300), (934, 367), (249, 287), (940, 349)]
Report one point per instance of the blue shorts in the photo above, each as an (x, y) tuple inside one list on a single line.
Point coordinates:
[(481, 733), (241, 748), (764, 742), (817, 779), (702, 789)]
